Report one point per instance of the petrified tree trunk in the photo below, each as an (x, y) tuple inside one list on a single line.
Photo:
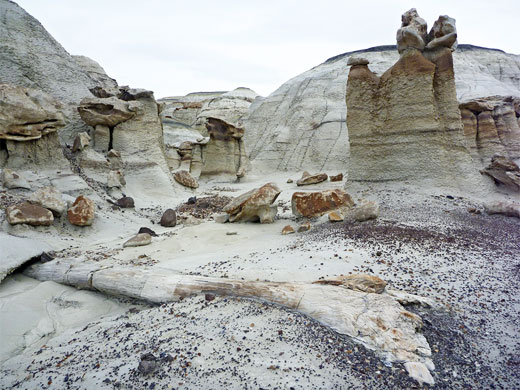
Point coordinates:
[(376, 320)]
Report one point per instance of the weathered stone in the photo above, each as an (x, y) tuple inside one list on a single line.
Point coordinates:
[(504, 171), (336, 216), (50, 198), (419, 372), (289, 181), (315, 204), (106, 86), (148, 364), (358, 282), (353, 61), (254, 205), (12, 179), (28, 114), (443, 33), (364, 211), (126, 202), (338, 177), (128, 94), (221, 218), (115, 161), (140, 239), (304, 227), (81, 141), (169, 218), (147, 230), (184, 178), (288, 229), (412, 33), (105, 111), (82, 211), (307, 178), (116, 179), (510, 209), (29, 214)]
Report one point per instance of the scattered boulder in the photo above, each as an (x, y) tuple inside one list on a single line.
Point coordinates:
[(336, 216), (288, 229), (419, 372), (49, 198), (81, 141), (221, 218), (169, 218), (338, 177), (126, 202), (315, 204), (148, 364), (307, 178), (115, 179), (147, 230), (12, 179), (510, 209), (364, 211), (289, 181), (254, 205), (184, 178), (304, 227), (29, 214), (140, 239), (504, 171), (192, 200), (82, 211), (358, 282)]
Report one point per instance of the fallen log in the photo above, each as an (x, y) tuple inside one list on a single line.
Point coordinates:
[(376, 320)]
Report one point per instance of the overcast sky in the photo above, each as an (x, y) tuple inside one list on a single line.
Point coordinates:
[(176, 47)]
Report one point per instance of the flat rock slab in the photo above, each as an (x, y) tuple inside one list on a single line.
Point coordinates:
[(16, 251)]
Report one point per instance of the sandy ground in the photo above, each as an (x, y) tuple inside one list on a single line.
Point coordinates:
[(425, 242)]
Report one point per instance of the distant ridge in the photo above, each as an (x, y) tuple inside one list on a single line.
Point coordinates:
[(461, 47)]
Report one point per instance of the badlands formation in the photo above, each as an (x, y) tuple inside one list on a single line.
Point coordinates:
[(358, 228)]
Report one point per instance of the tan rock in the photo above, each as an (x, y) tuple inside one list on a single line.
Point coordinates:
[(116, 179), (504, 171), (307, 178), (221, 218), (304, 227), (254, 205), (184, 178), (315, 204), (29, 214), (419, 372), (338, 177), (353, 61), (364, 211), (289, 181), (81, 141), (510, 209), (12, 179), (358, 282), (108, 111), (49, 198), (288, 229), (140, 239), (28, 114), (335, 216), (82, 211), (412, 33)]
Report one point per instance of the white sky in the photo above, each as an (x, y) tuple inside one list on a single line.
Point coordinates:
[(176, 47)]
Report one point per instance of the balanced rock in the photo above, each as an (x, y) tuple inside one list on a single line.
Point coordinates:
[(82, 211), (364, 211), (105, 111), (307, 178), (353, 61), (413, 31), (12, 179), (169, 218), (49, 198), (28, 114), (81, 141), (29, 214), (139, 239), (315, 204), (288, 229), (184, 178), (254, 205)]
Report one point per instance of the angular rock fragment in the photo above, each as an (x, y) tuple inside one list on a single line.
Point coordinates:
[(126, 202), (338, 177), (254, 205), (12, 179), (116, 179), (315, 204), (81, 141), (364, 211), (82, 211), (140, 239), (221, 218), (169, 218), (288, 229), (419, 372), (147, 230), (510, 209), (304, 227), (184, 178), (336, 216), (148, 364), (29, 214), (504, 171), (50, 198), (307, 178)]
